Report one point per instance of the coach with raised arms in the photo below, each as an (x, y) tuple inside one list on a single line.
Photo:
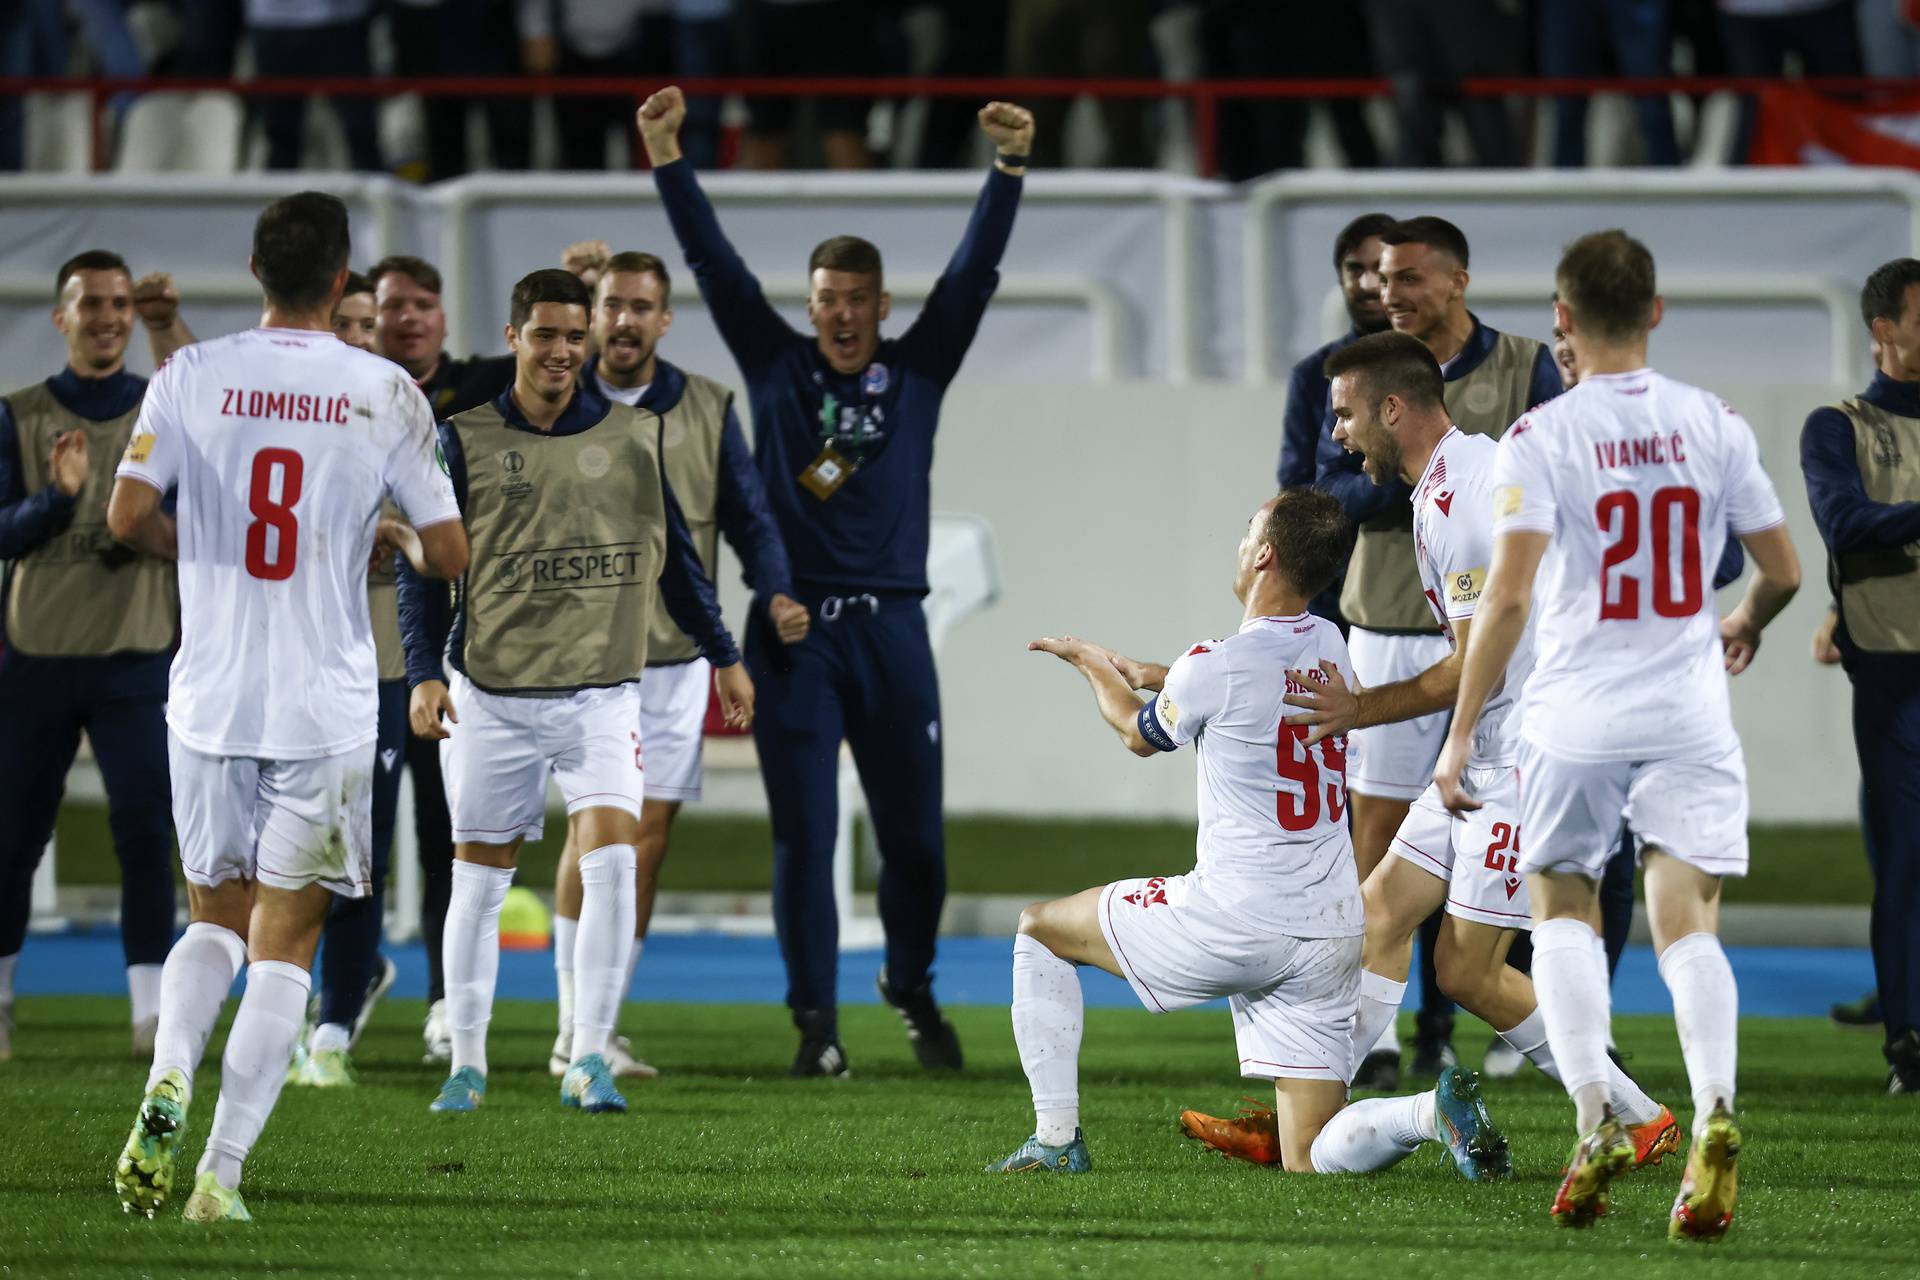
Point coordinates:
[(844, 425)]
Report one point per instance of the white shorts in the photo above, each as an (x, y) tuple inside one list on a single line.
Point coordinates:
[(1394, 761), (496, 759), (1294, 1000), (673, 721), (1476, 853), (285, 823), (1693, 807)]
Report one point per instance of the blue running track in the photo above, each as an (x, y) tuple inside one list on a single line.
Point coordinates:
[(710, 968)]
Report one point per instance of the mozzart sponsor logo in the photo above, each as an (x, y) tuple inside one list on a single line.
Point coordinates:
[(584, 568)]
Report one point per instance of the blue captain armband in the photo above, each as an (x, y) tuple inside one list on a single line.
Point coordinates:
[(1152, 730)]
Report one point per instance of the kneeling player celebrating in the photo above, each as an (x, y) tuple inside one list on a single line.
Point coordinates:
[(1387, 406), (1270, 916)]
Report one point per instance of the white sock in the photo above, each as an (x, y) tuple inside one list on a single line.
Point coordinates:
[(470, 948), (1374, 1133), (1628, 1100), (600, 950), (1048, 1017), (1570, 981), (1706, 1012), (564, 931), (143, 989), (1374, 1027), (7, 965), (263, 1035), (330, 1036), (633, 962), (194, 983)]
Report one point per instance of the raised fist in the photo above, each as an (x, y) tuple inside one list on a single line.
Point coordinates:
[(586, 259), (157, 301), (1010, 127)]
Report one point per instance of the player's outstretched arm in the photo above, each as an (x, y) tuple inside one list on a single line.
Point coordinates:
[(1497, 627), (1118, 707), (1775, 579), (158, 302), (135, 518), (751, 328)]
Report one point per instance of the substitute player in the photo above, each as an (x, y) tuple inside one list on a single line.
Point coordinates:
[(712, 475), (574, 528), (1622, 491), (283, 442), (86, 635), (1388, 403), (1491, 379), (844, 425), (1270, 916)]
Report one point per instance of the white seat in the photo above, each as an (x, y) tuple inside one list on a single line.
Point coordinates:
[(182, 133)]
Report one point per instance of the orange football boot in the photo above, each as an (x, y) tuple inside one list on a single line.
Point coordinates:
[(1654, 1140), (1253, 1135)]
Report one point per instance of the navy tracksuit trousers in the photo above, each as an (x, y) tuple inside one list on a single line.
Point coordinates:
[(350, 942), (1886, 732), (864, 674), (121, 702)]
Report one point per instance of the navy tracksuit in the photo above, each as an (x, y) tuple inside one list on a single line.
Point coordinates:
[(120, 700), (1886, 697), (865, 671)]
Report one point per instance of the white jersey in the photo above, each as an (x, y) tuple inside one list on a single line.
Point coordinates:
[(282, 443), (1453, 543), (1273, 811), (1638, 478)]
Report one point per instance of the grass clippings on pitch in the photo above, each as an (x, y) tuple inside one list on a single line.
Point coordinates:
[(726, 1168)]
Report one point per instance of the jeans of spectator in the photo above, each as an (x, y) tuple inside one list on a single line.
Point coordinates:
[(457, 38), (975, 44), (1097, 39), (1262, 40), (702, 48), (1589, 38), (1426, 49), (1616, 901), (1826, 40), (337, 50), (209, 38), (1889, 44), (823, 38), (1886, 733), (33, 42)]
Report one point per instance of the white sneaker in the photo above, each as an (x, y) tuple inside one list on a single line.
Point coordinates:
[(619, 1055), (621, 1059), (144, 1032), (437, 1035), (1503, 1061)]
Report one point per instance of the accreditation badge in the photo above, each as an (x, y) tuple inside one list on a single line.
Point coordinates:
[(826, 473)]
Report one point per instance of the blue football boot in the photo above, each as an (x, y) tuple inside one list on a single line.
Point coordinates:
[(1460, 1118), (1035, 1156)]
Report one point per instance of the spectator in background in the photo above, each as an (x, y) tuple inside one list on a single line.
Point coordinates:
[(589, 38), (1889, 33), (1093, 39), (703, 46), (33, 42), (1427, 47), (1761, 35), (809, 38), (464, 38), (1589, 38), (1262, 40), (314, 37), (973, 43), (209, 39)]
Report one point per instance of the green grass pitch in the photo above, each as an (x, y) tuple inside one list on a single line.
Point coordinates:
[(726, 1168)]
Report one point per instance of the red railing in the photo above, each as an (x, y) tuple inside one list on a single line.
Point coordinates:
[(1205, 95)]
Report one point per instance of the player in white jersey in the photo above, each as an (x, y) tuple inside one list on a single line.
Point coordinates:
[(1270, 915), (1387, 402), (282, 442), (1617, 498)]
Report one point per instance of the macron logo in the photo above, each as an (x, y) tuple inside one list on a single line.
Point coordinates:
[(1445, 503)]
